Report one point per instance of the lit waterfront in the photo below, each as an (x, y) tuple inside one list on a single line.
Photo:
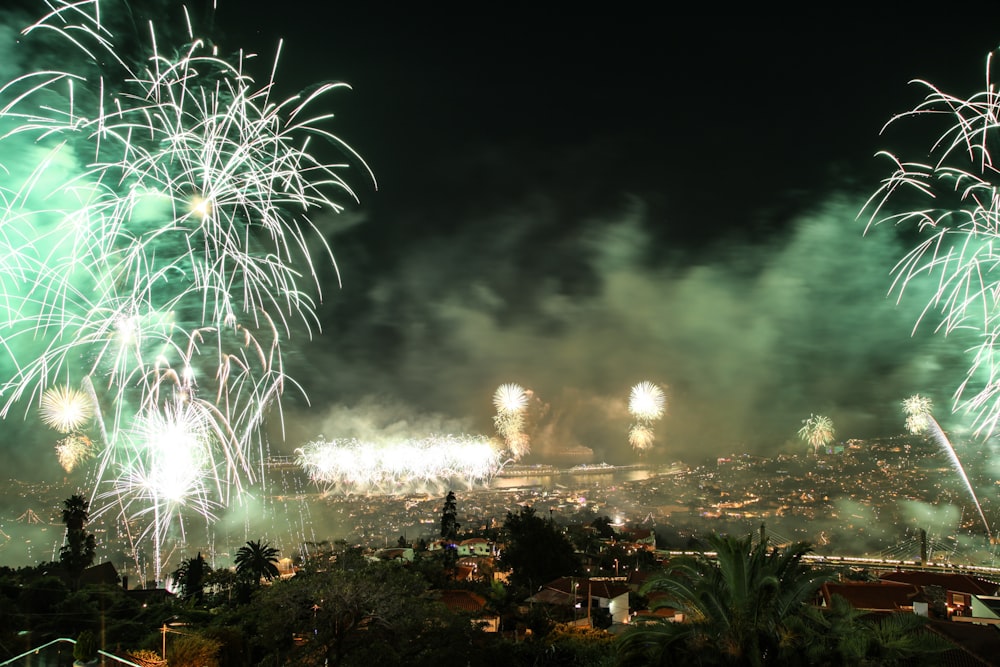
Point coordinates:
[(869, 500)]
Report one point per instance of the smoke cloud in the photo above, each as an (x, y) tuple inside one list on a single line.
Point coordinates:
[(747, 337)]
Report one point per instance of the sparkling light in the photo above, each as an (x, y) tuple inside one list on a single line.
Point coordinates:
[(157, 239), (647, 403), (355, 466), (950, 196), (73, 449), (65, 409), (920, 420), (817, 431), (511, 402), (918, 413)]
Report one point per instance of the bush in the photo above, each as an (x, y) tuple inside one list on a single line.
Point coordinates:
[(85, 649)]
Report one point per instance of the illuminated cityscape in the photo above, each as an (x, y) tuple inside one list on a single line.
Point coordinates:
[(826, 499), (298, 285)]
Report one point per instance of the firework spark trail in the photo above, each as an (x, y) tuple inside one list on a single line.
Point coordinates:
[(938, 434), (511, 402), (960, 227), (355, 466), (172, 466), (646, 404), (153, 240), (919, 419), (817, 431)]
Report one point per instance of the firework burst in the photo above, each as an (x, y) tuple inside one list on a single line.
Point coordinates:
[(157, 232), (73, 450), (646, 401), (65, 409), (511, 402), (355, 466), (917, 409), (951, 200), (646, 404), (817, 431)]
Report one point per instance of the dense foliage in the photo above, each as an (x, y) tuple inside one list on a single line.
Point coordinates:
[(745, 604)]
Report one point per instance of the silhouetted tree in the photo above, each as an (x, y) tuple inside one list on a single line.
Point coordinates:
[(256, 561), (190, 576), (602, 525), (374, 613), (449, 515), (535, 550), (81, 547)]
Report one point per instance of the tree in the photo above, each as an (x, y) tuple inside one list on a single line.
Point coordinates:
[(85, 649), (602, 525), (842, 636), (75, 513), (190, 576), (449, 515), (738, 605), (193, 650), (81, 547), (535, 550), (375, 612), (256, 561)]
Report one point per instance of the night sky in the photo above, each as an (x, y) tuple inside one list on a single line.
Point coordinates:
[(578, 202)]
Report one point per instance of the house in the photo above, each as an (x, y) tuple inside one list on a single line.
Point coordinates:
[(475, 546), (398, 554), (473, 605), (576, 591), (886, 596), (965, 596), (640, 538), (976, 645), (103, 574)]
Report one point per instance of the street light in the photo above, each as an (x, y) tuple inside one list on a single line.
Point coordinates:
[(166, 628)]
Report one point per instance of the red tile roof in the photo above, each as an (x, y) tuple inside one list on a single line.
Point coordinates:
[(961, 583), (461, 600), (884, 596)]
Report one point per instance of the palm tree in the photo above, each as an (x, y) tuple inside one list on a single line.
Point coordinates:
[(75, 512), (190, 575), (842, 636), (736, 604), (78, 553), (256, 561)]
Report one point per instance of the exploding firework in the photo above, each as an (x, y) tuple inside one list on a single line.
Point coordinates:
[(65, 409), (641, 437), (918, 413), (72, 450), (647, 401), (817, 431), (154, 233), (167, 463), (957, 214), (920, 420), (511, 402), (350, 465), (646, 404)]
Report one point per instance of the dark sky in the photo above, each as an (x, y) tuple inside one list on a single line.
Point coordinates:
[(577, 202), (729, 115)]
